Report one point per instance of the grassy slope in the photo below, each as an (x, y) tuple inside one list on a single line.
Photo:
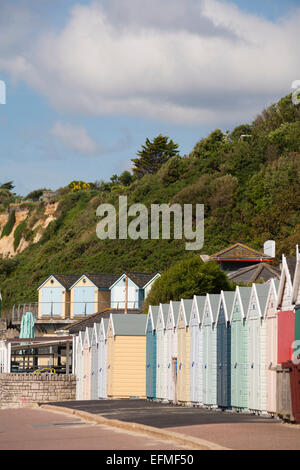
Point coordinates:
[(250, 190)]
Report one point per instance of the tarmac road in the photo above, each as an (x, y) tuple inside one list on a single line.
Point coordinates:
[(231, 430)]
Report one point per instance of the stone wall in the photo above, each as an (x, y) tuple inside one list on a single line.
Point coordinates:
[(17, 390)]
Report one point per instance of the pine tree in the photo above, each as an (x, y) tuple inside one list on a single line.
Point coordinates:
[(153, 155)]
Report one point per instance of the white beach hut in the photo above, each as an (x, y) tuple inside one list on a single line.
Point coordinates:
[(196, 354)]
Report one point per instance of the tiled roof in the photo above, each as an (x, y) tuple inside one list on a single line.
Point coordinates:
[(240, 252), (254, 273), (102, 280), (89, 321), (66, 280), (141, 279)]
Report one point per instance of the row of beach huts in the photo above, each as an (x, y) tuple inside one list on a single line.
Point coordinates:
[(216, 350)]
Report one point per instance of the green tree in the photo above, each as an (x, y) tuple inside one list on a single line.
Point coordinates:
[(153, 155), (9, 185), (126, 178), (187, 278)]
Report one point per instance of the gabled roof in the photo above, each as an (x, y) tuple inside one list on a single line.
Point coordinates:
[(274, 286), (212, 301), (254, 273), (174, 311), (242, 294), (88, 336), (240, 252), (96, 330), (66, 280), (287, 276), (227, 299), (152, 316), (100, 280), (103, 328), (296, 282), (139, 279), (261, 293), (89, 321), (186, 308), (128, 325), (163, 314), (81, 339), (198, 306)]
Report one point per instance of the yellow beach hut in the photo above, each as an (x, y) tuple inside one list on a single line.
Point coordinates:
[(126, 356)]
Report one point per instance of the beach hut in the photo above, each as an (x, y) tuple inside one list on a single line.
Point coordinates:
[(79, 365), (94, 361), (102, 365), (151, 352), (90, 293), (271, 346), (87, 363), (286, 314), (54, 296), (296, 302), (131, 289), (171, 332), (239, 349), (210, 350), (196, 355), (126, 356), (161, 352), (224, 349), (257, 348), (183, 360)]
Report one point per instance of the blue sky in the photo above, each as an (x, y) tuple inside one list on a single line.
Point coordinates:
[(88, 81)]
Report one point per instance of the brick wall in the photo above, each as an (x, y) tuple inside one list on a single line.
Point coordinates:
[(19, 389)]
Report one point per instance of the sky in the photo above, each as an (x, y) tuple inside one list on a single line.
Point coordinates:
[(87, 81)]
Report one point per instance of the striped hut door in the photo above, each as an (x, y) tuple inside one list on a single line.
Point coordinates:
[(205, 365), (273, 379), (258, 371), (263, 368), (148, 362), (197, 364), (165, 364), (179, 366), (174, 370), (109, 384), (200, 365), (193, 365), (251, 363), (169, 365), (233, 364), (158, 369), (99, 369)]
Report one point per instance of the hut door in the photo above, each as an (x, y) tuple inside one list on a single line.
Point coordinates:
[(193, 364), (174, 377)]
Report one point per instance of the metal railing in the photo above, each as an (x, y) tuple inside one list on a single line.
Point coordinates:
[(62, 310)]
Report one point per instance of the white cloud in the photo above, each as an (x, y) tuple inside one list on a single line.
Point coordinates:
[(207, 62), (75, 138)]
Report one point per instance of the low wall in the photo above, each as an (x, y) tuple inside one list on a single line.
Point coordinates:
[(17, 390)]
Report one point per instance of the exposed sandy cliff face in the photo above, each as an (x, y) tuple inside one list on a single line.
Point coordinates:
[(7, 248)]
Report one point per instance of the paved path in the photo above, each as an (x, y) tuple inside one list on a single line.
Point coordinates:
[(37, 429), (232, 430)]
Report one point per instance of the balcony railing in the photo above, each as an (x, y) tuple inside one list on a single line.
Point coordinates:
[(66, 310)]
